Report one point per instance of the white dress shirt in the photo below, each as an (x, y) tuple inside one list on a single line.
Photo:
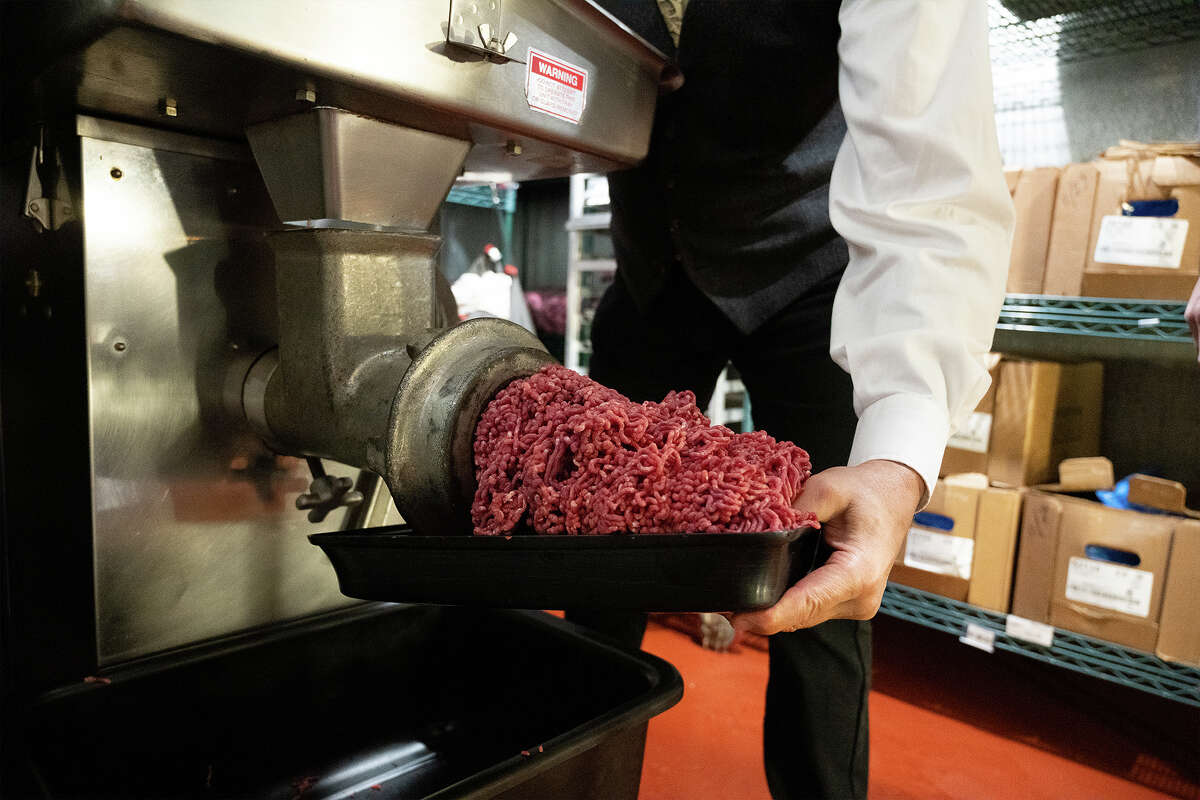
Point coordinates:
[(918, 194)]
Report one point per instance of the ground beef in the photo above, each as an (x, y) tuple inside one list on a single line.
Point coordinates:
[(559, 453)]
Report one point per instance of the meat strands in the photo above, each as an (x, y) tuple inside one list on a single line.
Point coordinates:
[(559, 453)]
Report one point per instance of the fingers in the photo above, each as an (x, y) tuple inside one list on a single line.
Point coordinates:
[(833, 591)]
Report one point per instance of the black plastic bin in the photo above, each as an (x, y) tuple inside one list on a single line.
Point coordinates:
[(400, 702)]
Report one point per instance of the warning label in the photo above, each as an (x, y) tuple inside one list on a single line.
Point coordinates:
[(555, 87)]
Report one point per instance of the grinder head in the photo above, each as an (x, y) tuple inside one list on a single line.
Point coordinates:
[(429, 460)]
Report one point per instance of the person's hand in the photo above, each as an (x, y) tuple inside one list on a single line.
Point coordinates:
[(866, 512), (1192, 315)]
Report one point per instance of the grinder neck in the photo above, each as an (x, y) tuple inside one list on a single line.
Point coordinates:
[(366, 372)]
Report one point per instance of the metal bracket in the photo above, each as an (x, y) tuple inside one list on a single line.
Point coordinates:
[(475, 25), (49, 209)]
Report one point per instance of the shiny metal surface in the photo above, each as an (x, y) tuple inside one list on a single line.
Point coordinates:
[(349, 303), (252, 396), (227, 64), (195, 530), (330, 164)]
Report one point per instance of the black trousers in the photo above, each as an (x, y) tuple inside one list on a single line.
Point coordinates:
[(815, 730)]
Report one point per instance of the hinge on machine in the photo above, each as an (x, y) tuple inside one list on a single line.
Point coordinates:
[(49, 209), (475, 25)]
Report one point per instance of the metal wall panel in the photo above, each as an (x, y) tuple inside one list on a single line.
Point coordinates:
[(196, 534)]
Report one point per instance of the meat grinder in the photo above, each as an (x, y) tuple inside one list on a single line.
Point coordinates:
[(225, 265)]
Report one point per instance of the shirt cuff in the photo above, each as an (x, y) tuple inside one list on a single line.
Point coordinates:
[(907, 428)]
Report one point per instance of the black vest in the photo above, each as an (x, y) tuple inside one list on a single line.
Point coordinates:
[(736, 184)]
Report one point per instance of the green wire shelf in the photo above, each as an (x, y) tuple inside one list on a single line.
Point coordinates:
[(501, 198), (1091, 327), (1073, 651)]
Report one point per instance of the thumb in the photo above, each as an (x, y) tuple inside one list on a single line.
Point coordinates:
[(822, 495)]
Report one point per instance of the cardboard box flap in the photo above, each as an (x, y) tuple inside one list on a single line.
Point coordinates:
[(970, 480), (1160, 493), (1082, 475), (1176, 171)]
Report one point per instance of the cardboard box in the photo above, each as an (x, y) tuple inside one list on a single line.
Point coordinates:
[(1039, 532), (1119, 180), (1179, 625), (1189, 209), (962, 545), (1045, 412), (1066, 577), (968, 448), (1139, 284), (1035, 557), (996, 525), (1100, 597), (1151, 179), (1070, 230), (1033, 202)]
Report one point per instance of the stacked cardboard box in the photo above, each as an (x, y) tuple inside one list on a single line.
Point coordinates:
[(1126, 576), (1067, 243), (1035, 414), (963, 544)]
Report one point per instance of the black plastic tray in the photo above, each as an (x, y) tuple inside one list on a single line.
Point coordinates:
[(644, 572)]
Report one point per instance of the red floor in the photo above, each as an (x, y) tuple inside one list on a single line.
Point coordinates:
[(709, 745)]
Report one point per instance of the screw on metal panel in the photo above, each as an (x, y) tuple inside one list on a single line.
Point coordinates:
[(116, 173), (34, 207), (307, 92), (119, 346), (168, 107), (512, 147), (33, 283)]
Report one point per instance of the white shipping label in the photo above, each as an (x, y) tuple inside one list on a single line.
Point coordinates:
[(1029, 631), (975, 433), (1141, 241), (939, 552), (1112, 586), (554, 87), (980, 637)]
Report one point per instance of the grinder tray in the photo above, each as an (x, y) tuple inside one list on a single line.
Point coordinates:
[(643, 572)]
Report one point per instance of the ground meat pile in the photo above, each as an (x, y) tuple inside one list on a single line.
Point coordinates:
[(559, 453)]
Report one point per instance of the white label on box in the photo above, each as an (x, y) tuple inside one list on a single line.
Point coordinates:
[(939, 552), (1112, 586), (1029, 631), (980, 637), (975, 433), (554, 87), (1141, 241)]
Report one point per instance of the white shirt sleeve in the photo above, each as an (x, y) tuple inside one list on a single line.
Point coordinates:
[(918, 193)]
